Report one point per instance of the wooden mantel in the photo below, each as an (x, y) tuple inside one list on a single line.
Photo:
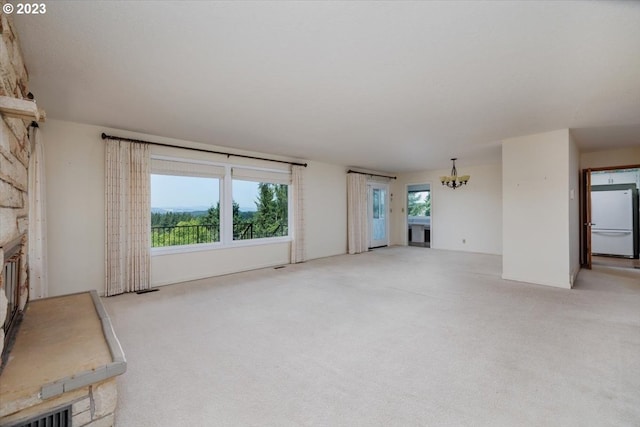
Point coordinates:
[(21, 109)]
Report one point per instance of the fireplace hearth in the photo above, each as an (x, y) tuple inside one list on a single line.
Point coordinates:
[(66, 354)]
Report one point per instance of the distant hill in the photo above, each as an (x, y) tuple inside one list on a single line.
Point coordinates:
[(166, 209), (194, 210)]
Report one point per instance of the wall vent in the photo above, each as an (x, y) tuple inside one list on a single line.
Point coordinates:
[(60, 417)]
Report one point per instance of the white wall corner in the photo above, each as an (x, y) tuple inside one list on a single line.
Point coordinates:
[(574, 276)]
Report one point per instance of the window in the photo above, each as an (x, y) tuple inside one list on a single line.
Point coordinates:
[(184, 210), (185, 203), (260, 210), (378, 203), (260, 204), (200, 203), (419, 203)]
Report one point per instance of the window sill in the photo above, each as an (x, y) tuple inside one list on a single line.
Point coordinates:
[(171, 250), (258, 242)]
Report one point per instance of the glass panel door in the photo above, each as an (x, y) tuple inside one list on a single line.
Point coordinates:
[(378, 215)]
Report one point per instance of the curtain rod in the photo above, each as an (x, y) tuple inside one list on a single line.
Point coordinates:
[(371, 174), (105, 136)]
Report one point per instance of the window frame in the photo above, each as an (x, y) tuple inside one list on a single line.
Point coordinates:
[(226, 211)]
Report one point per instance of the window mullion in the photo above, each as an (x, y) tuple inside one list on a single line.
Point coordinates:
[(227, 207), (290, 225)]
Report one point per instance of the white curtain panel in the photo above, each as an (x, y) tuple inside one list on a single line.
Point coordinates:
[(128, 217), (38, 284), (357, 214), (297, 198)]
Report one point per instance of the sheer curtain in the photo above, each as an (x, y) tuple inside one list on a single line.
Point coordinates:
[(38, 284), (128, 217), (297, 198), (357, 217)]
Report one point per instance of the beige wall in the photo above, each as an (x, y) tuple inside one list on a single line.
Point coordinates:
[(325, 203), (74, 158), (472, 213), (540, 225), (618, 157), (182, 267), (75, 214), (536, 209)]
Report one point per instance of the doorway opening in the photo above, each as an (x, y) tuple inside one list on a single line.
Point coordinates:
[(611, 212), (419, 215)]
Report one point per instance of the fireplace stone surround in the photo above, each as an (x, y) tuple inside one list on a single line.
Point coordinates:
[(14, 163), (47, 367)]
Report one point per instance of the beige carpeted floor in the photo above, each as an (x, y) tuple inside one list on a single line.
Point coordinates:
[(395, 337)]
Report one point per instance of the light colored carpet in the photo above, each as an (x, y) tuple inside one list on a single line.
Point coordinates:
[(398, 336)]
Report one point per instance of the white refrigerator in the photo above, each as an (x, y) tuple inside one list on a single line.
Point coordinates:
[(613, 219)]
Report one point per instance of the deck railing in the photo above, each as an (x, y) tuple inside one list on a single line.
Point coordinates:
[(210, 233), (250, 231), (184, 235)]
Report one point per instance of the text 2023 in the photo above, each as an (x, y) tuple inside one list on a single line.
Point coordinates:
[(31, 8)]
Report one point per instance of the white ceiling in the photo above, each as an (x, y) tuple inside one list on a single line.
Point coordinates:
[(392, 86)]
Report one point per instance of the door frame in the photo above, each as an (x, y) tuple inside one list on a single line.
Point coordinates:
[(370, 187), (585, 229), (585, 234), (405, 211)]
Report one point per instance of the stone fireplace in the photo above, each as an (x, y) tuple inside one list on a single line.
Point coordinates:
[(14, 163), (61, 356)]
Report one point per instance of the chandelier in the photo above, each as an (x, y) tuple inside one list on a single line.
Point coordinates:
[(454, 181)]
